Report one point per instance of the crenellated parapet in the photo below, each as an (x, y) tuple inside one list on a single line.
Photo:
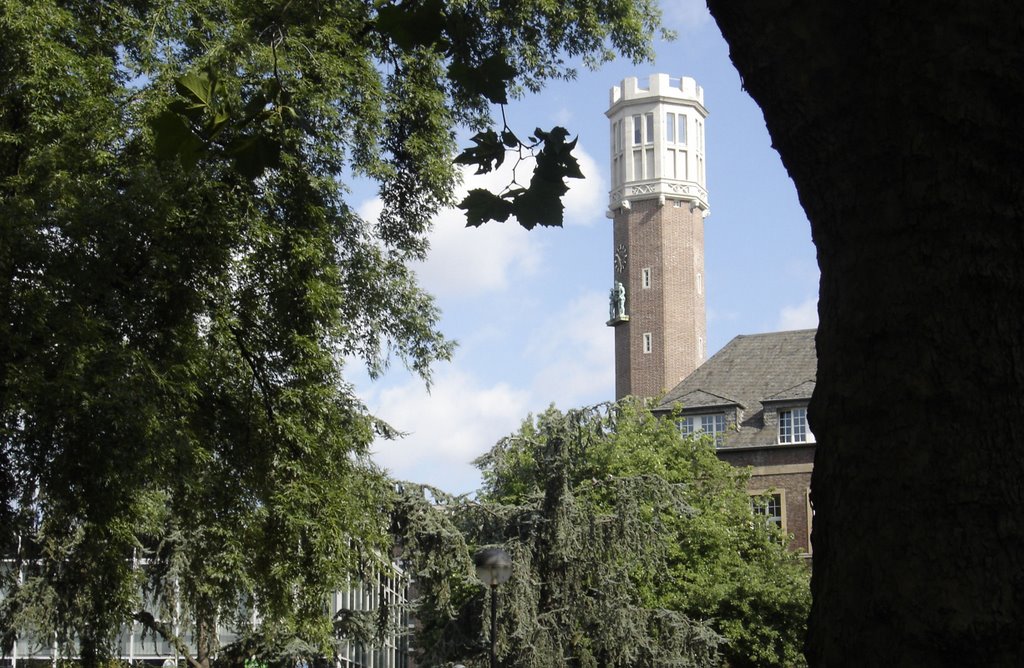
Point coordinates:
[(657, 142)]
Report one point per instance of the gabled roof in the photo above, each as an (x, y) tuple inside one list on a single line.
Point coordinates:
[(748, 372), (702, 399), (802, 391)]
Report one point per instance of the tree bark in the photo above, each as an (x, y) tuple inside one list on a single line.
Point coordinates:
[(902, 127)]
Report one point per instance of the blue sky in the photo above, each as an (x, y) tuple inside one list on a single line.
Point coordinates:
[(528, 308)]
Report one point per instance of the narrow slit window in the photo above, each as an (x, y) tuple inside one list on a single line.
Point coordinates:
[(637, 130), (645, 277), (648, 345), (670, 127)]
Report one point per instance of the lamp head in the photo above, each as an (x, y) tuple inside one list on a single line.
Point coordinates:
[(493, 566)]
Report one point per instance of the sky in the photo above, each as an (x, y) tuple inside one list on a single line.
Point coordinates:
[(528, 309)]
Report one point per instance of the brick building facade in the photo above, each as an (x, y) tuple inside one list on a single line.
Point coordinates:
[(751, 398)]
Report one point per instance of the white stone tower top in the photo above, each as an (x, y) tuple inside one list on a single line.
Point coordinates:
[(657, 141)]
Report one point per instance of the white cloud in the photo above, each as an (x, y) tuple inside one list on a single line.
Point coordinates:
[(587, 199), (463, 415), (465, 262), (469, 261), (575, 354), (564, 116), (801, 316), (685, 14), (457, 421)]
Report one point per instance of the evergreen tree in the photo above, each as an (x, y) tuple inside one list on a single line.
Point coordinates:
[(632, 546)]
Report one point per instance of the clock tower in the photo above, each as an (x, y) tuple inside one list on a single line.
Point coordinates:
[(658, 203)]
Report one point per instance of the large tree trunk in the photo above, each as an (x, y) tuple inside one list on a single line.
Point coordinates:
[(901, 124)]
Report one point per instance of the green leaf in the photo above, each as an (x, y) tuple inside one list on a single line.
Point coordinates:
[(488, 150), (172, 137), (489, 78), (254, 154), (412, 25), (482, 205), (196, 86)]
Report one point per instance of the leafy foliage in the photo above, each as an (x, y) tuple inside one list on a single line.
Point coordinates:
[(586, 554), (181, 278), (540, 202), (622, 534)]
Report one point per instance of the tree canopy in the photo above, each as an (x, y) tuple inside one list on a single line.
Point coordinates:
[(632, 546), (182, 278)]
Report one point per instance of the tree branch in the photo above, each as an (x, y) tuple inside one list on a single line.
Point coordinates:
[(166, 632)]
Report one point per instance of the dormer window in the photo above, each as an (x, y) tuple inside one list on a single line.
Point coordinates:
[(697, 425), (793, 426)]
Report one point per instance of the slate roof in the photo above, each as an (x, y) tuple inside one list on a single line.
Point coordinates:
[(749, 372)]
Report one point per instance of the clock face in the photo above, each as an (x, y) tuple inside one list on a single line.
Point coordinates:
[(620, 258)]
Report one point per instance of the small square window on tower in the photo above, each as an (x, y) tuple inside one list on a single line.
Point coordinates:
[(647, 342), (645, 277)]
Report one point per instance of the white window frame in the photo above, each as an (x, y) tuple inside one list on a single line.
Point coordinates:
[(648, 343), (711, 424), (645, 278), (777, 496), (793, 427)]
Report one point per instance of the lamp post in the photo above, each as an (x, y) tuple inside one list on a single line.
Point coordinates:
[(493, 567)]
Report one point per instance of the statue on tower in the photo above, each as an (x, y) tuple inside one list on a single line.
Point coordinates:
[(617, 303)]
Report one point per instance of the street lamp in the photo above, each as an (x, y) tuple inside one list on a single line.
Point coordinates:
[(493, 567)]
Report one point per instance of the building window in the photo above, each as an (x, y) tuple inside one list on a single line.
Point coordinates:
[(713, 425), (700, 348), (793, 426), (675, 128), (700, 283), (617, 158), (645, 277), (643, 129), (768, 506), (647, 342)]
